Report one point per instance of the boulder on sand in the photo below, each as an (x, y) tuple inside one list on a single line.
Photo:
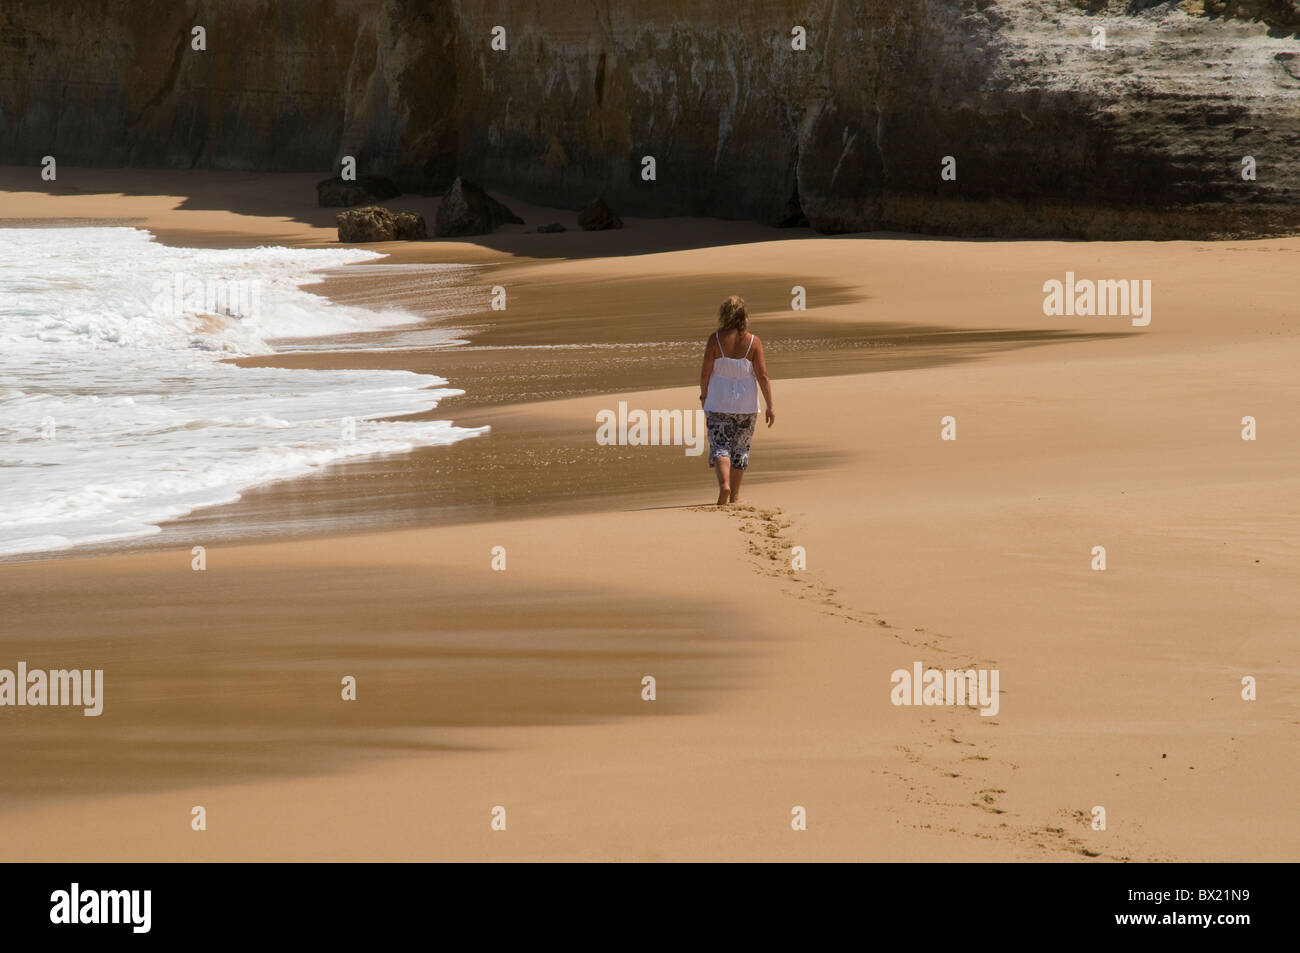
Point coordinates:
[(553, 227), (376, 224), (338, 192), (467, 210), (369, 224), (597, 216), (409, 226)]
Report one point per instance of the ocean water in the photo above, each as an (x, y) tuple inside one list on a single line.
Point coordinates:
[(116, 411)]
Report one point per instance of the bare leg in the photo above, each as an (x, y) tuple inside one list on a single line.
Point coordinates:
[(723, 466), (736, 477)]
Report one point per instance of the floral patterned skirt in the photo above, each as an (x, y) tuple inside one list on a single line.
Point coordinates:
[(729, 436)]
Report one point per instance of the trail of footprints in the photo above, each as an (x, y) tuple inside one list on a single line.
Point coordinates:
[(770, 552), (770, 549)]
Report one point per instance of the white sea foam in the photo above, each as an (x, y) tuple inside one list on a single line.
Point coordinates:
[(116, 411)]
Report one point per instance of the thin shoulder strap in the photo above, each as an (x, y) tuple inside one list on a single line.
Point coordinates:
[(719, 340), (751, 344)]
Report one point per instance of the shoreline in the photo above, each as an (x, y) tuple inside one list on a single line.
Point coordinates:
[(509, 362)]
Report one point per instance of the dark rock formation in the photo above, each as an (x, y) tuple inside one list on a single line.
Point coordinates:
[(377, 224), (552, 227), (409, 226), (1051, 136), (467, 210), (1283, 14), (794, 216), (369, 224), (339, 192), (336, 193), (598, 216)]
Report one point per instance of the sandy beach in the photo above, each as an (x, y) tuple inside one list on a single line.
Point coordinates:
[(523, 688)]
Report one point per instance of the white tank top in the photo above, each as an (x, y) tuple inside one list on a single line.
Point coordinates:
[(733, 389)]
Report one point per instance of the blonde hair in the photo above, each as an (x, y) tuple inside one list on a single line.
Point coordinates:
[(732, 315)]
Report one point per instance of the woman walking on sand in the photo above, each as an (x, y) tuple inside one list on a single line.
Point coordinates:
[(730, 378)]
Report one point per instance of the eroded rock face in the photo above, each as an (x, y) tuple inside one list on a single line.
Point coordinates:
[(466, 209), (277, 90), (1050, 135), (1284, 14)]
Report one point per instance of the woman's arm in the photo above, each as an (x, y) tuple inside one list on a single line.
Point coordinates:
[(706, 369), (764, 382)]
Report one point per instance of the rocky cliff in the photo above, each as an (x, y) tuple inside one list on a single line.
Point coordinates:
[(1050, 130)]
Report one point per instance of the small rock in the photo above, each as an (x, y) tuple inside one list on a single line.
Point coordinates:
[(338, 192), (467, 210), (369, 224), (377, 224), (552, 227), (409, 226), (598, 216)]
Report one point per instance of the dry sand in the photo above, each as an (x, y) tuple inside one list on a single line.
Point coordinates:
[(523, 688)]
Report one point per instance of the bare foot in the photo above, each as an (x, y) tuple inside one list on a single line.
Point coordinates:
[(724, 496), (735, 498)]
